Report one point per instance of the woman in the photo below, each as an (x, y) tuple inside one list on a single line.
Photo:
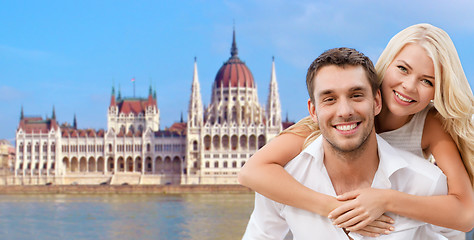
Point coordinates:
[(419, 65)]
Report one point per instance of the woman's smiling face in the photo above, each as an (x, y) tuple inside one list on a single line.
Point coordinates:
[(408, 84)]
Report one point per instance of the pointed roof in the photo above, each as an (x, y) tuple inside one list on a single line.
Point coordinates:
[(37, 125), (234, 72)]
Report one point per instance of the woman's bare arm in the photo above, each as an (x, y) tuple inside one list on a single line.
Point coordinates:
[(455, 210), (265, 174)]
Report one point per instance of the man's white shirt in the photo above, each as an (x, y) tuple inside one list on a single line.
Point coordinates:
[(397, 170)]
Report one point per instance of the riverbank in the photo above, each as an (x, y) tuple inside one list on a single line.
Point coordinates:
[(118, 189)]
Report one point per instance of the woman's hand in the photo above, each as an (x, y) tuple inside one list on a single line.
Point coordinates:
[(361, 208), (381, 225)]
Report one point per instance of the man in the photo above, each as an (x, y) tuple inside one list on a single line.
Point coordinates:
[(344, 99)]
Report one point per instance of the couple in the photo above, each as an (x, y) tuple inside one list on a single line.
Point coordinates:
[(369, 176)]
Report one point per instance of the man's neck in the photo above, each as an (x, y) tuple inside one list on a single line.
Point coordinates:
[(352, 170)]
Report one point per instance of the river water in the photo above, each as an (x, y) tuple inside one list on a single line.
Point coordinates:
[(134, 216)]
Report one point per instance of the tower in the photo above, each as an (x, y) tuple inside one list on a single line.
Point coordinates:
[(273, 103)]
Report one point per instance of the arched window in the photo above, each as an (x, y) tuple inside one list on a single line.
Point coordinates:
[(225, 142), (243, 142), (261, 141), (234, 141), (215, 142), (234, 164), (207, 142), (208, 165), (252, 142), (195, 145), (216, 164), (225, 164)]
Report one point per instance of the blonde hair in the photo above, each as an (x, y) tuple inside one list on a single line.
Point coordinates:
[(453, 97)]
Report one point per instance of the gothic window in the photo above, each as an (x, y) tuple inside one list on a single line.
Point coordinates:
[(208, 165), (21, 147), (131, 129), (215, 142), (195, 145), (45, 147), (207, 142), (37, 147), (225, 115), (148, 147), (122, 128), (28, 147), (53, 147), (216, 164), (252, 142), (234, 164), (234, 141), (225, 142), (243, 142), (234, 113), (225, 164), (261, 141), (140, 128)]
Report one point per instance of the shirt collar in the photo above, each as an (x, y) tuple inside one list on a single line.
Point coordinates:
[(389, 163)]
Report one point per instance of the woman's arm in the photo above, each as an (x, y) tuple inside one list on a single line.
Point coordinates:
[(455, 210), (265, 174)]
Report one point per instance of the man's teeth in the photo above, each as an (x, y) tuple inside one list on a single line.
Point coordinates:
[(402, 98), (346, 127)]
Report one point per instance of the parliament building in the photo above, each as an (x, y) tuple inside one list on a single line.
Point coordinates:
[(209, 148)]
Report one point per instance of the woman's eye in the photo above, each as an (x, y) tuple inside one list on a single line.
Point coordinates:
[(427, 82), (403, 69)]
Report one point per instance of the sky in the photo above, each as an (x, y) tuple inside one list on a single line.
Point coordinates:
[(69, 54)]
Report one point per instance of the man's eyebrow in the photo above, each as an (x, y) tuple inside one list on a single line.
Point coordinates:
[(325, 92)]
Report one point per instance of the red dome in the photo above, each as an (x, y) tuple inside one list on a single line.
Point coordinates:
[(234, 72)]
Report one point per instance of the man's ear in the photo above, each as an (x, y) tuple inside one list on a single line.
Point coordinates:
[(377, 103), (312, 110)]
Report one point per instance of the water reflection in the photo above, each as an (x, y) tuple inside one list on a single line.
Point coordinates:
[(133, 216)]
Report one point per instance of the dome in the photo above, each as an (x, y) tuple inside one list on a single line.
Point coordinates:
[(234, 72)]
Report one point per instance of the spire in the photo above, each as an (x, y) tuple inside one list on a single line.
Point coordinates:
[(150, 91), (181, 120), (21, 114), (112, 98), (119, 94), (74, 122), (195, 110), (54, 114), (154, 94), (233, 51), (273, 102)]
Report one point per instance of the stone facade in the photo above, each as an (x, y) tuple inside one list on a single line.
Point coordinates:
[(209, 148)]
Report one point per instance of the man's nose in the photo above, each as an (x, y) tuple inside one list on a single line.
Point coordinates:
[(345, 108)]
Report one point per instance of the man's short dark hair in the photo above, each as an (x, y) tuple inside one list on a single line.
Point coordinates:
[(341, 57)]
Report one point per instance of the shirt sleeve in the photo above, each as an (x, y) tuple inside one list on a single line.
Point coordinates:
[(266, 221)]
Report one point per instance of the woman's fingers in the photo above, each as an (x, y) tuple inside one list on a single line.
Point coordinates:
[(348, 195), (346, 207)]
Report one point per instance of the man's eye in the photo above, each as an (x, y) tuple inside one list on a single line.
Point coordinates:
[(328, 99)]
